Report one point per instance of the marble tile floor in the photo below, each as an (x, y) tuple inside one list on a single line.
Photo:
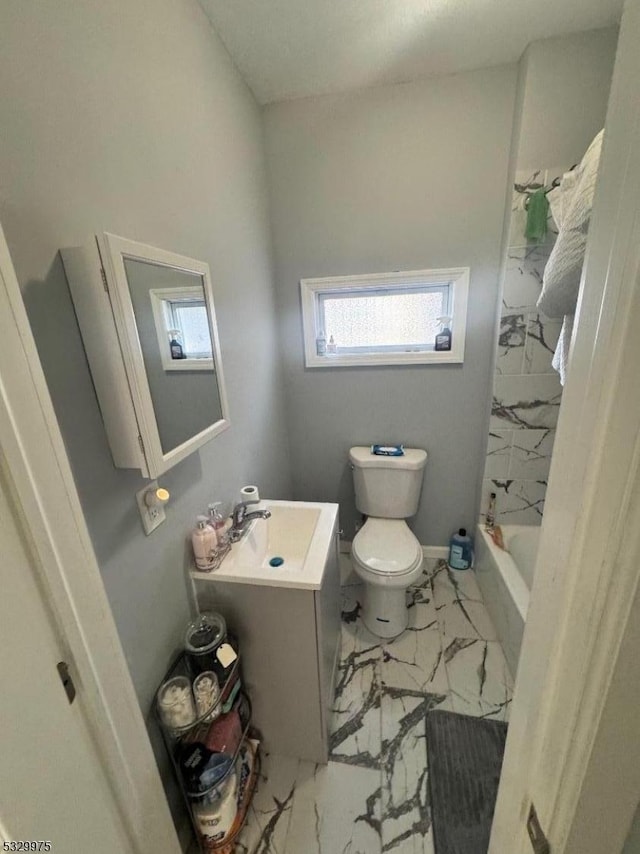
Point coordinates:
[(372, 797)]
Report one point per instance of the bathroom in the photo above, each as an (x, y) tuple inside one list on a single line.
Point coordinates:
[(157, 122)]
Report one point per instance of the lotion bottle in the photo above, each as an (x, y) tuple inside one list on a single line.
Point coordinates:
[(204, 541)]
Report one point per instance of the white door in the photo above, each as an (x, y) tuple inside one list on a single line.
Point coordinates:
[(77, 777), (52, 784), (573, 749)]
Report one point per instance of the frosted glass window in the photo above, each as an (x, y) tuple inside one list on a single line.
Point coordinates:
[(382, 319), (192, 321)]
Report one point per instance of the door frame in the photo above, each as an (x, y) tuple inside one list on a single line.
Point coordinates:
[(48, 505), (563, 746)]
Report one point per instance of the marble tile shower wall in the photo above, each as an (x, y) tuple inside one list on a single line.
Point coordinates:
[(526, 389)]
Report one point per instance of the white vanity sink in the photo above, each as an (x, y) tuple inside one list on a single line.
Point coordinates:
[(298, 532), (288, 619)]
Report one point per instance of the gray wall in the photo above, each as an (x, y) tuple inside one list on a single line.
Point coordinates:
[(396, 178), (566, 94), (128, 116)]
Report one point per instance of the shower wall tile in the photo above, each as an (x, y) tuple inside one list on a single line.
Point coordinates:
[(528, 401), (518, 502), (511, 344), (498, 453), (527, 390), (523, 278), (540, 344), (531, 454)]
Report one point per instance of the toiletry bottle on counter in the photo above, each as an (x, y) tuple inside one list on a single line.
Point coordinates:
[(204, 542), (460, 550), (218, 523)]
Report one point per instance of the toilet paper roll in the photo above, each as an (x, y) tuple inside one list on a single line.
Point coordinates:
[(251, 495)]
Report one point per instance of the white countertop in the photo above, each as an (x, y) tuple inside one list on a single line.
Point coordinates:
[(303, 538)]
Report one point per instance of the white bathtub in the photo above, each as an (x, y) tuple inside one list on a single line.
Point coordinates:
[(505, 579)]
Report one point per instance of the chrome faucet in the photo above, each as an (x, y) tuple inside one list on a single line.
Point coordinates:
[(240, 519)]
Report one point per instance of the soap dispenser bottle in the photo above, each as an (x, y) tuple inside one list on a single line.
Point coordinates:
[(204, 542), (218, 523)]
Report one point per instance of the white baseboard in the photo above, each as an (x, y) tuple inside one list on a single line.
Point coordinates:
[(434, 552)]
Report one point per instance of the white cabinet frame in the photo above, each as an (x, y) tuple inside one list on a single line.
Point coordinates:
[(99, 287)]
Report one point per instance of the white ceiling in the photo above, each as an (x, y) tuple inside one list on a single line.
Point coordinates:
[(294, 48)]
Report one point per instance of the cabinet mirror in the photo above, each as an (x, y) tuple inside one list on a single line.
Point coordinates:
[(158, 372)]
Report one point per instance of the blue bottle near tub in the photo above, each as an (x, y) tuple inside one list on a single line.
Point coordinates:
[(460, 550)]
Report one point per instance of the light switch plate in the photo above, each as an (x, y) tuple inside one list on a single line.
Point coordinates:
[(151, 516)]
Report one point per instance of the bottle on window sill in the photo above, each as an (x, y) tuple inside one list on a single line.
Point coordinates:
[(443, 338), (331, 346), (177, 351), (321, 343)]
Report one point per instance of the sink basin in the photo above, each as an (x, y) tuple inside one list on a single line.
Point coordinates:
[(298, 533)]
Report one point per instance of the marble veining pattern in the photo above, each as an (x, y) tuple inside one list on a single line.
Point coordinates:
[(527, 392), (372, 797)]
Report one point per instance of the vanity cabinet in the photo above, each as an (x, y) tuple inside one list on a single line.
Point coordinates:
[(291, 642)]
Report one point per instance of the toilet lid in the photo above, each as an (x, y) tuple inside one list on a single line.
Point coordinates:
[(387, 546)]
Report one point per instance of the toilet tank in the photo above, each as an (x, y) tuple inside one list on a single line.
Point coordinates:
[(387, 487)]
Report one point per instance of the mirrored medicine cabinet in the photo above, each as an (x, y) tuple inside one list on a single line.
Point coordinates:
[(148, 324)]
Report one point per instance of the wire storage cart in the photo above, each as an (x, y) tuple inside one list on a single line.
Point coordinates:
[(205, 718)]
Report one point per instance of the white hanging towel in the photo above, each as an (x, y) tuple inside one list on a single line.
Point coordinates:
[(571, 205)]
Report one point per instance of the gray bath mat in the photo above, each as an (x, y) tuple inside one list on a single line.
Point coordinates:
[(465, 758)]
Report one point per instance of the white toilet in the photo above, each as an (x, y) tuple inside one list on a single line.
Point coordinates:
[(386, 554)]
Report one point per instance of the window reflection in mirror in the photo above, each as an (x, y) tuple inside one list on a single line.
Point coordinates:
[(182, 327), (175, 338)]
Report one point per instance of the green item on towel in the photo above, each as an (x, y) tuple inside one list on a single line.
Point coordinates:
[(537, 213)]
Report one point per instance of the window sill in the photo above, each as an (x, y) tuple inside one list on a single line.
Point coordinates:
[(444, 357), (187, 364)]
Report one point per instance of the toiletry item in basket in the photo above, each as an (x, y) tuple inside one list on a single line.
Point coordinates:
[(216, 811), (443, 338), (200, 768), (175, 703), (202, 639), (207, 693), (225, 734), (490, 518), (204, 542), (388, 450), (460, 550)]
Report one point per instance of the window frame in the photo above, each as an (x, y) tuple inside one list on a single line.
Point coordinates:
[(159, 299), (311, 290)]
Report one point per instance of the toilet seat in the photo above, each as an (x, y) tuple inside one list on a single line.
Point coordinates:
[(387, 547)]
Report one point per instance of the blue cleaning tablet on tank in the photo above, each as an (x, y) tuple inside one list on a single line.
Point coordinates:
[(388, 450), (276, 561)]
